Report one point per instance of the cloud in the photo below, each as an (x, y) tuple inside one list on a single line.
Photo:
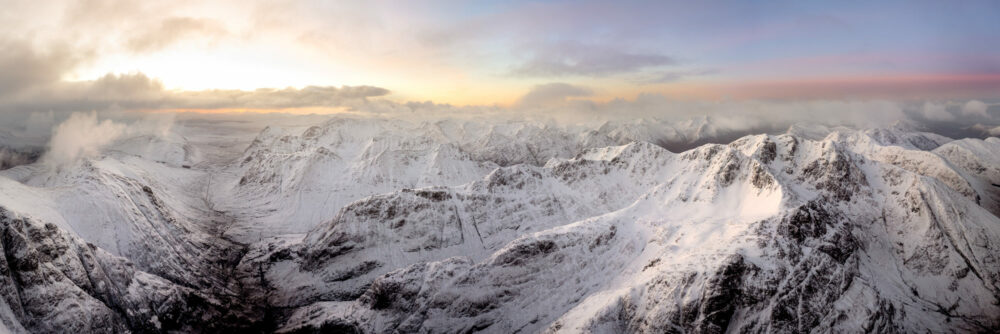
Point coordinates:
[(987, 130), (23, 66), (937, 112), (81, 135), (575, 59), (269, 98), (85, 135), (138, 91), (106, 13), (675, 124), (552, 94), (975, 108), (172, 30)]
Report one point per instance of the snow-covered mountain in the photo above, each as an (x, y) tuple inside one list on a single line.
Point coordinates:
[(383, 225)]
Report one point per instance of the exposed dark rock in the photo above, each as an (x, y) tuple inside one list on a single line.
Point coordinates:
[(721, 297), (526, 250), (768, 152)]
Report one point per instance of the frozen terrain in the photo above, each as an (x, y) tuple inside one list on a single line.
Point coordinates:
[(376, 225)]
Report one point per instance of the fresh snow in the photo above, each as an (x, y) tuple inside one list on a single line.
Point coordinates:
[(385, 225)]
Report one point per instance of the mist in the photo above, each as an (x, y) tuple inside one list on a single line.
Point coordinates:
[(81, 119), (67, 136), (85, 135), (82, 135)]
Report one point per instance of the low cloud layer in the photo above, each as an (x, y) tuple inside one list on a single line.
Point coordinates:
[(723, 120), (987, 130), (675, 125), (33, 111), (137, 91)]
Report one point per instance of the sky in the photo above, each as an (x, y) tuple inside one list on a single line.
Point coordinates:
[(333, 55)]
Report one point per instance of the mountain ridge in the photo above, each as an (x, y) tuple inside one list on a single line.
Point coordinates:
[(767, 233)]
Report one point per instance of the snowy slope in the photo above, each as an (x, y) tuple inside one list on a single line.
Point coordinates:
[(980, 165), (372, 236), (51, 281), (384, 225), (137, 205), (296, 178), (120, 242), (768, 233)]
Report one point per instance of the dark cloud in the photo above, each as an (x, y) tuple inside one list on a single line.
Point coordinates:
[(575, 59), (137, 91), (265, 98), (552, 93), (172, 30), (24, 66)]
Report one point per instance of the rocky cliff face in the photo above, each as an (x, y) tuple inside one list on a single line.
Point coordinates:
[(54, 282), (826, 231)]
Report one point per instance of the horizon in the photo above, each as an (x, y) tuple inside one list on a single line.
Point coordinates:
[(525, 166)]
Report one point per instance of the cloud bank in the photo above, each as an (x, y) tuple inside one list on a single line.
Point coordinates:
[(24, 66), (137, 91)]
